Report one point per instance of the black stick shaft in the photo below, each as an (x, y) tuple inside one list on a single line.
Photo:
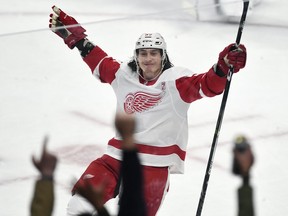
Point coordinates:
[(220, 116), (242, 21)]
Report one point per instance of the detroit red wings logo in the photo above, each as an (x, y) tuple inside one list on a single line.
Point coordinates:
[(141, 101)]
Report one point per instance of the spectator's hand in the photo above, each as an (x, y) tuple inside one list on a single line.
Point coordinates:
[(245, 160), (231, 56), (125, 125), (47, 163), (66, 27), (95, 195)]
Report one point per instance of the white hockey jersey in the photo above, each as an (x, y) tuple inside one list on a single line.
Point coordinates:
[(160, 109)]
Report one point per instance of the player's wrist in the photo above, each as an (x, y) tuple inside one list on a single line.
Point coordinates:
[(47, 177), (245, 179), (84, 46)]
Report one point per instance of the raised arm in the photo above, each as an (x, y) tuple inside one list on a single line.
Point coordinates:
[(73, 35), (213, 82)]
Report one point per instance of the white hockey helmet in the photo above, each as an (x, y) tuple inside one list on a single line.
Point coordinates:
[(151, 40)]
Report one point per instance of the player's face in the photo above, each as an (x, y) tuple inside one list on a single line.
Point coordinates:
[(150, 61)]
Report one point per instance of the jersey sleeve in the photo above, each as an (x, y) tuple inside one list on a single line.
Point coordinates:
[(198, 86), (101, 65)]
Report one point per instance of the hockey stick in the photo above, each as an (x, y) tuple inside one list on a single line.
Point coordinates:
[(220, 115)]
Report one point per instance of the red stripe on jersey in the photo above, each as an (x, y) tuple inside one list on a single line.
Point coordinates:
[(153, 150)]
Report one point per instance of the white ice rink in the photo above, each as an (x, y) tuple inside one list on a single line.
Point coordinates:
[(45, 88)]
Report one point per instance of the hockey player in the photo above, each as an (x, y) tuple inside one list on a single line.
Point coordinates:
[(158, 94)]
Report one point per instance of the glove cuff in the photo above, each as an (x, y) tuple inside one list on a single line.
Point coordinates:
[(221, 69), (72, 39), (85, 47)]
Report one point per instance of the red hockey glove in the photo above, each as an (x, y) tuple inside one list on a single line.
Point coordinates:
[(59, 24), (231, 56)]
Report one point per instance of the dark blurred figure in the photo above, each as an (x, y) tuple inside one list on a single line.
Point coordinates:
[(131, 201), (243, 160), (43, 198)]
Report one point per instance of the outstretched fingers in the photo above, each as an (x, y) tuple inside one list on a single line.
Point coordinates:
[(54, 19), (56, 10)]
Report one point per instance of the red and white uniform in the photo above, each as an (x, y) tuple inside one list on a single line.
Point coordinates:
[(160, 107)]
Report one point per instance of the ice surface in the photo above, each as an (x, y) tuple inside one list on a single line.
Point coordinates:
[(45, 88)]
